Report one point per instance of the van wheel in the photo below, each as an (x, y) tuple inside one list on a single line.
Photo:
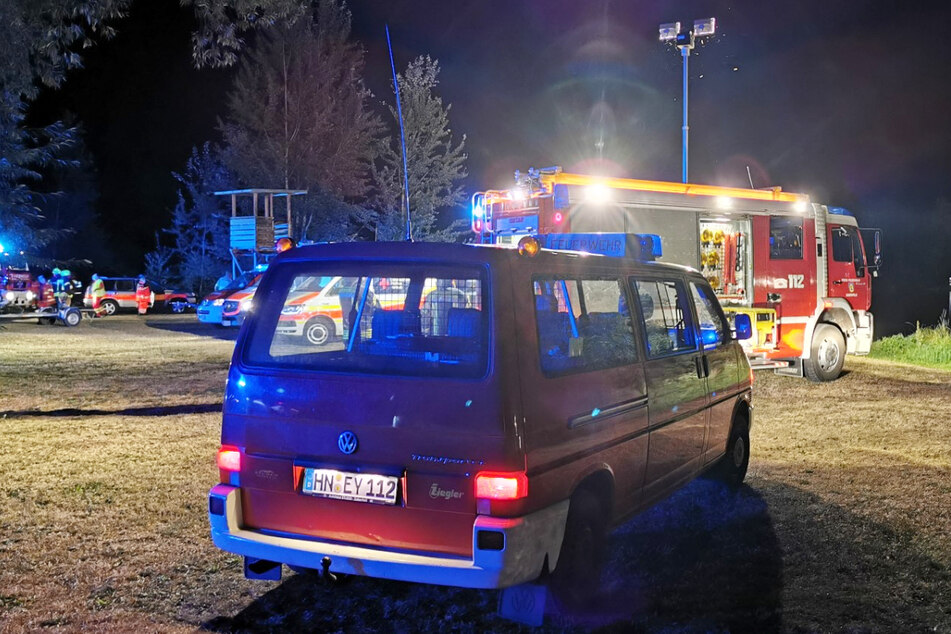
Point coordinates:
[(319, 331), (577, 576), (731, 469), (109, 307), (828, 354)]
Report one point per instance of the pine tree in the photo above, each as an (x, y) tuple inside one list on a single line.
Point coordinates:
[(435, 165), (199, 252), (298, 118)]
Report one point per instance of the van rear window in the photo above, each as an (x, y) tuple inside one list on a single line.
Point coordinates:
[(412, 320)]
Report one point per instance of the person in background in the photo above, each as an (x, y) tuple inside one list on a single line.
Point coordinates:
[(97, 289), (223, 281), (75, 292), (143, 295), (61, 288)]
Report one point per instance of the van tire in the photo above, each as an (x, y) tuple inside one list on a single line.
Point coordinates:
[(576, 578), (731, 470), (319, 331), (109, 307), (828, 354)]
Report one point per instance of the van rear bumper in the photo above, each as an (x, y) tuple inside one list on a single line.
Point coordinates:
[(527, 542)]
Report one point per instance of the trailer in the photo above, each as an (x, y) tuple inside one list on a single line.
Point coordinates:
[(69, 317), (798, 268)]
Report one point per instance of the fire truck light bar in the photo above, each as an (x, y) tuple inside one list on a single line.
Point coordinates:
[(773, 194)]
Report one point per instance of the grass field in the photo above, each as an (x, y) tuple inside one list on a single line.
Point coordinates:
[(928, 347), (109, 432)]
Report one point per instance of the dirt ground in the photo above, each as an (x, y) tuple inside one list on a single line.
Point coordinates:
[(108, 435)]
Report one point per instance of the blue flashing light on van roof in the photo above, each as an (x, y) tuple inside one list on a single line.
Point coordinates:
[(640, 246), (840, 211)]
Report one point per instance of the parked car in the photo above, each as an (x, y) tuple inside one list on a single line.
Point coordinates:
[(548, 396), (211, 308), (238, 304), (120, 295)]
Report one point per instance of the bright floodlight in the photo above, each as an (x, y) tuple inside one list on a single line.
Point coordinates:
[(707, 26), (669, 31), (800, 206), (597, 194), (724, 202)]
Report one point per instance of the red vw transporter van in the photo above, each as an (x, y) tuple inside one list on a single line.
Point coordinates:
[(485, 433)]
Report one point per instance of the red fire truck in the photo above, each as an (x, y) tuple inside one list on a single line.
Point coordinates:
[(798, 268)]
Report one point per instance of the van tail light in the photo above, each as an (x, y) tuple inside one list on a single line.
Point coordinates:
[(492, 485), (229, 458)]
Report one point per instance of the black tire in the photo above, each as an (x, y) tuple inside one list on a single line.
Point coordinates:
[(177, 306), (828, 354), (109, 307), (46, 321), (72, 317), (731, 470), (319, 331), (577, 576)]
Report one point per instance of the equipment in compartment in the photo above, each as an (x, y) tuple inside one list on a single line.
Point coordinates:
[(722, 257)]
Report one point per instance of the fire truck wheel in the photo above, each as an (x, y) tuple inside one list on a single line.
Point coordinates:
[(319, 331), (46, 321), (109, 307), (577, 575), (731, 470), (828, 354)]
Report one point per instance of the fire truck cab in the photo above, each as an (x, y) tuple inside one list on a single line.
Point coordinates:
[(798, 268)]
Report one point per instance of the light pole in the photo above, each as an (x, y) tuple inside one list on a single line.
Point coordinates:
[(684, 40)]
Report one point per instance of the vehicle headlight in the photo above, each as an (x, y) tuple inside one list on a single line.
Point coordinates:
[(293, 309), (246, 305), (218, 302), (9, 296), (29, 296)]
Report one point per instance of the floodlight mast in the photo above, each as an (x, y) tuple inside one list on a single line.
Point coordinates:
[(685, 40)]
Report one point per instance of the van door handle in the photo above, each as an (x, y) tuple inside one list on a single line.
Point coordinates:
[(836, 282), (703, 366)]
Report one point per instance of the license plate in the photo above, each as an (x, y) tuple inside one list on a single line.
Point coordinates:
[(357, 487)]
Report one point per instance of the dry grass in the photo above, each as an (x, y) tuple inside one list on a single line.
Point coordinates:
[(108, 439)]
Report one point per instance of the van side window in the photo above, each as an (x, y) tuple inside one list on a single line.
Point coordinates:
[(785, 238), (713, 330), (583, 325), (667, 320)]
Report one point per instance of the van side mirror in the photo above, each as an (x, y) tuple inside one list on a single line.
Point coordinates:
[(742, 326)]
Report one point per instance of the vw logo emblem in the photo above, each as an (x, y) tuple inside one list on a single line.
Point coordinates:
[(347, 442)]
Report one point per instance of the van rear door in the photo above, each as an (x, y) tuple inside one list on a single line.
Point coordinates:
[(374, 437)]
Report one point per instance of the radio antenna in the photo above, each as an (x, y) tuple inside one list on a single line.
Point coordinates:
[(399, 113), (749, 175)]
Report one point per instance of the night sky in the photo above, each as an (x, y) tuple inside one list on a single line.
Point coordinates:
[(847, 102)]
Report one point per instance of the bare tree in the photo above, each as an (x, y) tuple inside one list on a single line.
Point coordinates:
[(297, 116)]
